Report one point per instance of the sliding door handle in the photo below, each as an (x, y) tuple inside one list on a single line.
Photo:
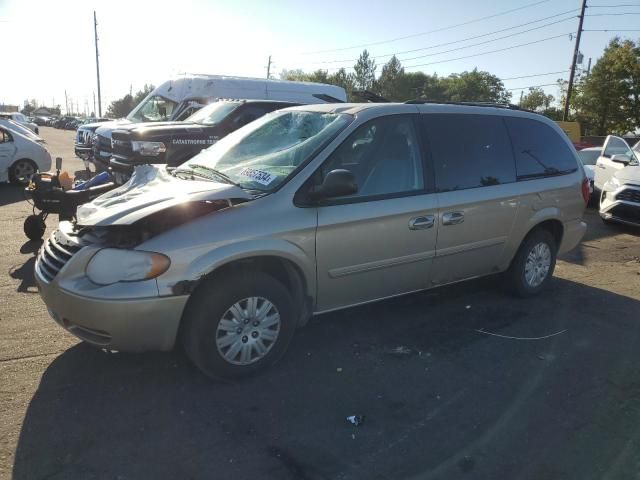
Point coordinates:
[(422, 223), (452, 218)]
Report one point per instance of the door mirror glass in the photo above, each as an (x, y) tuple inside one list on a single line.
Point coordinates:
[(620, 158), (337, 183)]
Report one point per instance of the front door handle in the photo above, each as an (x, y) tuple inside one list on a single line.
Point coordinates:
[(422, 223), (452, 218), (601, 166)]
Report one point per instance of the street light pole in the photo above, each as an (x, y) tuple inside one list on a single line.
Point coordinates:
[(95, 33)]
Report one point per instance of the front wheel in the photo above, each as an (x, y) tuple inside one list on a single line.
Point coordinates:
[(238, 325), (22, 171), (533, 265)]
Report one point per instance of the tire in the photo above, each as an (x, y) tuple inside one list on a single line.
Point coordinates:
[(525, 282), (34, 227), (21, 171), (204, 333)]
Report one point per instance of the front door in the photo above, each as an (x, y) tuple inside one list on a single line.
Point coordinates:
[(605, 166), (380, 241), (477, 193)]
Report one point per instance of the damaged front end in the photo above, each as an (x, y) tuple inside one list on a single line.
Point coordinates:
[(132, 235)]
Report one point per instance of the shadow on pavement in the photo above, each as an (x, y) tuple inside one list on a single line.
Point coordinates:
[(24, 272), (11, 194), (440, 398)]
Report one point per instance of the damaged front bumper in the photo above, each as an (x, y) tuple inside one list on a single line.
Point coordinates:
[(123, 316)]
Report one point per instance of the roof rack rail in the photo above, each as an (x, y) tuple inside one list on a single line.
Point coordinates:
[(508, 106), (369, 96)]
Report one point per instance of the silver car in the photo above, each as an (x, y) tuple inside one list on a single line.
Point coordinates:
[(308, 210)]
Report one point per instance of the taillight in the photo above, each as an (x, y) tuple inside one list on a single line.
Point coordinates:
[(585, 190)]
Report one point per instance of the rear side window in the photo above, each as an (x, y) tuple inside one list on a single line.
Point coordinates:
[(539, 150), (469, 151)]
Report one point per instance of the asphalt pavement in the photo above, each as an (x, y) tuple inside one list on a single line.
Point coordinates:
[(459, 382)]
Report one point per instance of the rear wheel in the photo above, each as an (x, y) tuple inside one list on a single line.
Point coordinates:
[(238, 325), (22, 171), (533, 265)]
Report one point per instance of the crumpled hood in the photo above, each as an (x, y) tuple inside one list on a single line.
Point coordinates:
[(149, 190), (629, 174)]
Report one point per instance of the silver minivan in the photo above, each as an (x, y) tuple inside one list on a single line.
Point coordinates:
[(308, 210)]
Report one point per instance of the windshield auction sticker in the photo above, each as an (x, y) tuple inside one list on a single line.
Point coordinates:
[(260, 176)]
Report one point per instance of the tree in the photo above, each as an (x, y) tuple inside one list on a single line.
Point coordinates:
[(343, 79), (121, 107), (475, 86), (390, 78), (608, 100), (535, 99), (365, 71)]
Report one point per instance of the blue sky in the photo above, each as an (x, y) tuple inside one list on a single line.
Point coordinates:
[(146, 42)]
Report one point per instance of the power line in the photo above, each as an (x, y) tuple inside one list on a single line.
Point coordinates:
[(535, 75), (469, 38), (615, 6), (610, 14), (430, 31), (609, 30), (491, 51), (531, 86), (486, 41)]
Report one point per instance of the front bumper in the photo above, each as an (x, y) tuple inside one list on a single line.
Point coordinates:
[(130, 324), (621, 204)]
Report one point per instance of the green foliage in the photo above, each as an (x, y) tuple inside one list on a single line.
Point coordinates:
[(608, 100), (365, 71), (537, 100), (475, 86), (120, 108)]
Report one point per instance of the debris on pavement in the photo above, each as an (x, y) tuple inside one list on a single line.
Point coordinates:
[(519, 338), (356, 420), (399, 351)]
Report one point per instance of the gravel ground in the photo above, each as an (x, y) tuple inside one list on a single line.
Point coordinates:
[(442, 398)]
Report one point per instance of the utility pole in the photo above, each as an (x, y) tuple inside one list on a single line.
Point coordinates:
[(94, 103), (269, 68), (521, 95), (573, 63), (95, 33), (589, 67), (66, 103)]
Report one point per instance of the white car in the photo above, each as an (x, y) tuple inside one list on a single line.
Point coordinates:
[(19, 128), (589, 157), (616, 155), (21, 119), (21, 157)]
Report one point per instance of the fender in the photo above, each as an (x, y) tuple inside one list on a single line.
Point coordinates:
[(518, 234), (262, 247)]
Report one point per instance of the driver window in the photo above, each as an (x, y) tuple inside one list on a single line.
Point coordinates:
[(617, 146), (383, 155)]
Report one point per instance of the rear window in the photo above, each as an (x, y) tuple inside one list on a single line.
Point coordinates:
[(469, 151), (538, 149)]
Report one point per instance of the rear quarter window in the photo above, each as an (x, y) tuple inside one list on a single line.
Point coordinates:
[(469, 151), (538, 149)]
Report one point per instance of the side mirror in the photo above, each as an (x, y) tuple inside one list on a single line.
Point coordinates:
[(58, 163), (337, 183), (619, 158)]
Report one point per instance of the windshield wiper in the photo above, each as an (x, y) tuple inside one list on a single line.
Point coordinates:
[(192, 173), (216, 173)]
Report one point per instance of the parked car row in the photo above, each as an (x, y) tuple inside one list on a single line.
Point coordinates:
[(21, 119), (306, 210), (615, 178), (176, 101)]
